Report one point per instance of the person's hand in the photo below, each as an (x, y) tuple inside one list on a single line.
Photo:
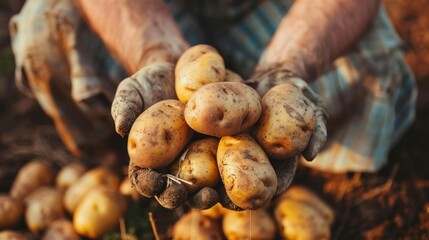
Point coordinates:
[(265, 81)]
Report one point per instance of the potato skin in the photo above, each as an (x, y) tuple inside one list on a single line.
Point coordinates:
[(223, 109), (196, 67), (11, 211), (198, 165), (247, 174), (31, 176), (247, 224), (99, 176), (287, 122), (99, 212), (300, 214), (44, 206), (158, 135), (13, 235), (61, 229), (69, 174), (194, 225)]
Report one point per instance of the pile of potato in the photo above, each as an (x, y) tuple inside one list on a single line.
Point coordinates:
[(218, 134), (77, 202), (296, 214)]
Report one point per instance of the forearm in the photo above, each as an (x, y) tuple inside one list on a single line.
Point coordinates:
[(137, 33), (315, 32)]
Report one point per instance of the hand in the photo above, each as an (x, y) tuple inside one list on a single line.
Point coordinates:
[(265, 81)]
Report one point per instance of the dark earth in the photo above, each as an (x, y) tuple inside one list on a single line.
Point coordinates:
[(390, 204)]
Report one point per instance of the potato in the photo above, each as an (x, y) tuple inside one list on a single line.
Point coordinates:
[(158, 135), (305, 195), (99, 176), (127, 190), (198, 165), (248, 176), (13, 235), (147, 182), (233, 77), (257, 225), (44, 206), (69, 174), (196, 67), (61, 229), (31, 176), (11, 211), (204, 198), (300, 214), (223, 109), (194, 225), (216, 212), (99, 212), (287, 122), (173, 196)]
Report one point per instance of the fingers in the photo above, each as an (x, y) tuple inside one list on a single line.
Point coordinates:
[(318, 139), (149, 85)]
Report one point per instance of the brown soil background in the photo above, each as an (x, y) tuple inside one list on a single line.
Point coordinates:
[(391, 204)]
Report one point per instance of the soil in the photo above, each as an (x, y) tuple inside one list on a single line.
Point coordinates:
[(390, 204)]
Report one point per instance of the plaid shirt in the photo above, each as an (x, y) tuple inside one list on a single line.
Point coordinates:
[(370, 91)]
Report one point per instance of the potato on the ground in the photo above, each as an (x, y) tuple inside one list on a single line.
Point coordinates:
[(247, 174), (302, 215), (158, 135), (99, 176), (248, 224), (198, 165), (99, 212), (194, 225), (196, 67), (13, 235), (287, 122), (43, 206), (11, 211), (31, 176), (69, 174), (223, 109), (61, 229)]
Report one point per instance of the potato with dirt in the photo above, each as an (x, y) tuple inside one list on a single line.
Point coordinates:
[(61, 229), (300, 214), (99, 212), (43, 206), (11, 211), (257, 225), (99, 176), (194, 225), (287, 122), (196, 67), (197, 165), (31, 176), (246, 172), (223, 109), (158, 135), (69, 174)]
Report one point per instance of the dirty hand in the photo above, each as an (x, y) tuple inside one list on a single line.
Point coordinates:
[(304, 114)]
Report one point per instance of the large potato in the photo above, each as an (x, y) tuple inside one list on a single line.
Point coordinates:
[(61, 229), (44, 206), (198, 165), (31, 176), (100, 176), (302, 215), (69, 174), (286, 123), (158, 135), (223, 109), (249, 178), (11, 211), (99, 212), (257, 225), (194, 225), (196, 67)]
